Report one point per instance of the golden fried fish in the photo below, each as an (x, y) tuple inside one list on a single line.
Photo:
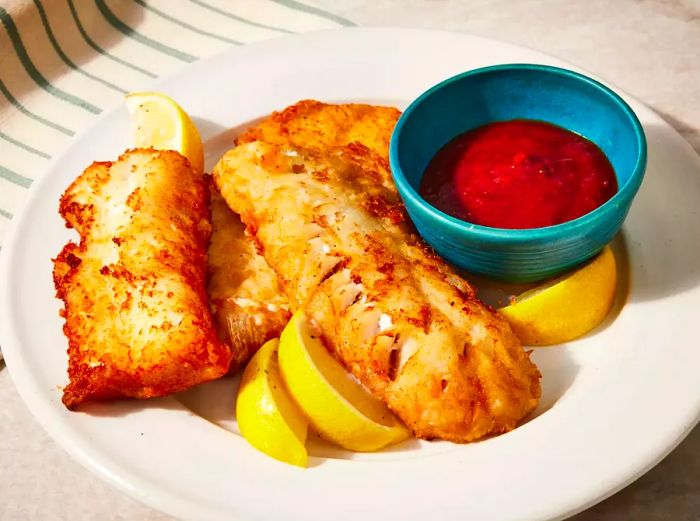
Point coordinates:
[(317, 125), (247, 301), (135, 303), (409, 328)]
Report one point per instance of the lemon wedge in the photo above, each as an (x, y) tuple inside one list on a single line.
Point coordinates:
[(567, 307), (267, 416), (339, 408), (161, 123)]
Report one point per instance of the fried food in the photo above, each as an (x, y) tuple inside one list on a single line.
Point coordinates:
[(248, 303), (246, 299), (384, 304), (316, 125), (135, 303)]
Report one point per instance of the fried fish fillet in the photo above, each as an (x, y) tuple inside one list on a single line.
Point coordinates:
[(389, 309), (247, 301), (134, 293), (316, 125)]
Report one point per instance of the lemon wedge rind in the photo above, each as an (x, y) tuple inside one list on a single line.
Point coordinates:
[(568, 307), (338, 407), (267, 416)]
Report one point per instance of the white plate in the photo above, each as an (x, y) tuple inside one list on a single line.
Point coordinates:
[(614, 403)]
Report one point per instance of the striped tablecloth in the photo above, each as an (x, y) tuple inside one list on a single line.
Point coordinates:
[(63, 62)]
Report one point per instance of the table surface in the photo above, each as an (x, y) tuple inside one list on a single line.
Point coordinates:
[(648, 48)]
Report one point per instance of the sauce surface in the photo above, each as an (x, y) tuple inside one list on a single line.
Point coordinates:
[(518, 174)]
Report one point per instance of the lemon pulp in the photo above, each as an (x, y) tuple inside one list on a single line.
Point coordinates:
[(160, 123)]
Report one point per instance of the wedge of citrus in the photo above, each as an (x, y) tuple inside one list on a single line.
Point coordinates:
[(339, 408), (567, 307), (161, 123), (268, 418)]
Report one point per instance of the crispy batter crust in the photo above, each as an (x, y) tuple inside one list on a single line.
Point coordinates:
[(248, 303), (135, 306), (317, 125), (386, 306)]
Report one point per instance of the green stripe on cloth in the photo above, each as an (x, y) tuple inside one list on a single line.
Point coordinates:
[(239, 18), (62, 55), (298, 6), (5, 213), (14, 177), (99, 49), (30, 114), (34, 72), (24, 146), (128, 31), (185, 25)]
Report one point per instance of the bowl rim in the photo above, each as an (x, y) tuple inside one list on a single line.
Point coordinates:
[(627, 191)]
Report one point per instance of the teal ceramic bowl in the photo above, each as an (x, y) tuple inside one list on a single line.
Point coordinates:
[(503, 92)]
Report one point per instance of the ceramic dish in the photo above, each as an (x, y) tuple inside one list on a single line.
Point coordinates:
[(614, 403), (518, 91)]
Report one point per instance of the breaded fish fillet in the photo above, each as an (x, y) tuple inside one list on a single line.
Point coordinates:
[(246, 299), (136, 312), (390, 310), (314, 125), (248, 303)]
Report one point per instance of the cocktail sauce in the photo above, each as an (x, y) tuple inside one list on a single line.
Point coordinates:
[(518, 174)]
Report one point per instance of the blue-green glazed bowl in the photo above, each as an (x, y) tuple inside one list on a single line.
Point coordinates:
[(505, 92)]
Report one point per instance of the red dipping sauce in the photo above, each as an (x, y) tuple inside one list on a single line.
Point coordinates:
[(518, 174)]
